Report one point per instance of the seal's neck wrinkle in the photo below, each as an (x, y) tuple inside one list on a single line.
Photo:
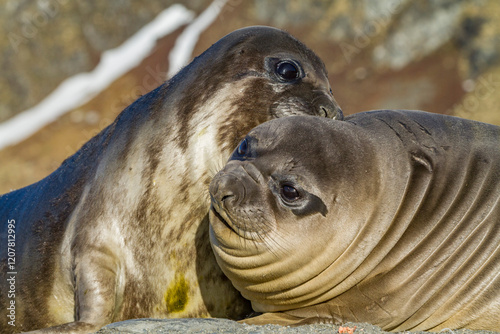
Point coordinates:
[(437, 243)]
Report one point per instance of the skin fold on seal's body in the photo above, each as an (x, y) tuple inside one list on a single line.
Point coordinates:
[(120, 230), (390, 217)]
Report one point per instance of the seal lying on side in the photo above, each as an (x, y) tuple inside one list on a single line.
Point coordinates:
[(391, 218), (116, 232)]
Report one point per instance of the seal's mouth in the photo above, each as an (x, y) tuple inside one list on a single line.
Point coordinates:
[(322, 106), (222, 216), (221, 219), (235, 228)]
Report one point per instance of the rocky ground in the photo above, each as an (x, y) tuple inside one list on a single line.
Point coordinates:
[(212, 326)]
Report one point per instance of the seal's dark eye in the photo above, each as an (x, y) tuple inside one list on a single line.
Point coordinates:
[(287, 71), (289, 193), (242, 149)]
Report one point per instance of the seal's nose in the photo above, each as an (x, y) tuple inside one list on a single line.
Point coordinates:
[(328, 107), (331, 111), (224, 190), (226, 196)]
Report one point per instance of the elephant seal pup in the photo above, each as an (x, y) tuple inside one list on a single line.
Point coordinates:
[(120, 230), (391, 218)]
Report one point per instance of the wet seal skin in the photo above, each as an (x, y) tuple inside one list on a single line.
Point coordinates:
[(120, 230), (390, 218)]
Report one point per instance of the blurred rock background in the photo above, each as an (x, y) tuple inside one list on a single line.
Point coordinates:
[(435, 55)]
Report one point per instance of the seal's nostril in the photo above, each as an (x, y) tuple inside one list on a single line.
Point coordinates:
[(323, 111), (327, 107), (225, 197), (226, 189), (326, 110), (332, 111)]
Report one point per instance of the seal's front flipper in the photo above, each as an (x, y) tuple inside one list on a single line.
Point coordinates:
[(95, 273)]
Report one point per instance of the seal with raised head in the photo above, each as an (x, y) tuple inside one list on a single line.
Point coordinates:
[(390, 217), (120, 230)]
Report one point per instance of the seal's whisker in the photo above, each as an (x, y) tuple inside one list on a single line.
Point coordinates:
[(271, 241), (218, 165)]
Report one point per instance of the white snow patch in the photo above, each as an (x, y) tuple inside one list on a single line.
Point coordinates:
[(183, 48), (80, 88)]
